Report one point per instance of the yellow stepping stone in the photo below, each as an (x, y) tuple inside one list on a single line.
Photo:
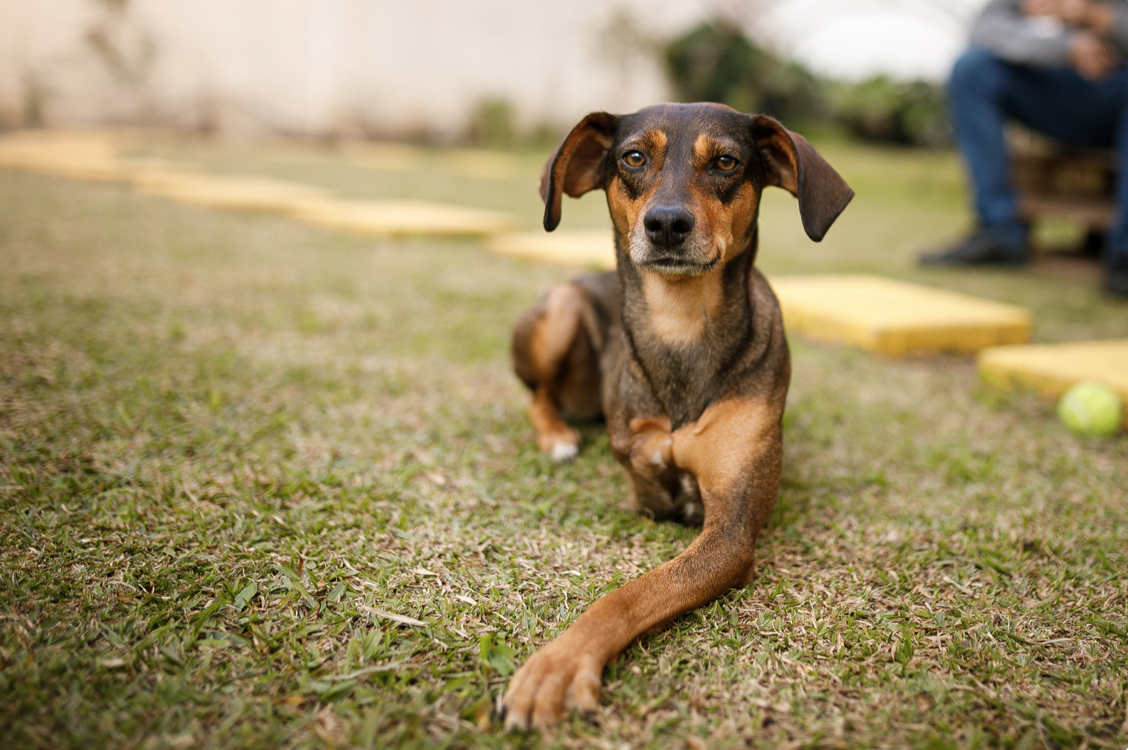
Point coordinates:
[(97, 156), (577, 248), (485, 165), (401, 217), (1052, 369), (229, 192), (77, 155), (894, 317)]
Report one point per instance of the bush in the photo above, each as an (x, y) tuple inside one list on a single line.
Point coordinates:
[(908, 113), (716, 62), (492, 123)]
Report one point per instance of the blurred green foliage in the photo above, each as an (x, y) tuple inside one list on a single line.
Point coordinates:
[(715, 61), (492, 123), (911, 113)]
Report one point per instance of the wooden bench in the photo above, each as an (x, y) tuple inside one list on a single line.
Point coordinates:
[(1065, 182)]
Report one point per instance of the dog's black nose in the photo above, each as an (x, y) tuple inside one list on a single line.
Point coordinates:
[(668, 226)]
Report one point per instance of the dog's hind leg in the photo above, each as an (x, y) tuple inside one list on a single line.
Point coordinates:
[(556, 347)]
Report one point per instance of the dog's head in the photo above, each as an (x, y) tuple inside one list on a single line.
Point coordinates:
[(683, 181)]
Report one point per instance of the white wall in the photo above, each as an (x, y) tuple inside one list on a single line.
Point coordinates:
[(418, 66), (312, 65)]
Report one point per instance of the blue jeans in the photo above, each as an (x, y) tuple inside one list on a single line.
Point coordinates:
[(984, 92)]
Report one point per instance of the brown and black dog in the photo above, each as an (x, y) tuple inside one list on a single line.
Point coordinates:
[(682, 351)]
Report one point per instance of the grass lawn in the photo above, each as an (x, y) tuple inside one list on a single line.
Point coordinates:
[(263, 485)]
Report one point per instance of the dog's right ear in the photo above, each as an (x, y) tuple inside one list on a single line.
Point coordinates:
[(576, 166)]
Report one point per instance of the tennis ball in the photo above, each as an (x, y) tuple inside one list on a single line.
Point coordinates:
[(1090, 408)]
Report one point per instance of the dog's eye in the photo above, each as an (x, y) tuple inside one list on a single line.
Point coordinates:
[(727, 163), (634, 159)]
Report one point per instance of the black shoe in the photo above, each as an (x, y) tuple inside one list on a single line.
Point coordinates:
[(1116, 275), (1094, 245), (980, 248)]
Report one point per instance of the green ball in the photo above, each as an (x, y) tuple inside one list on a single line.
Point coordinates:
[(1090, 408)]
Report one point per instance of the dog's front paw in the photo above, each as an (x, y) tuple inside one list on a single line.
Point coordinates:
[(564, 452), (557, 679), (563, 444)]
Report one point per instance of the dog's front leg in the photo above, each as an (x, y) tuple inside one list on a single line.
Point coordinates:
[(734, 451)]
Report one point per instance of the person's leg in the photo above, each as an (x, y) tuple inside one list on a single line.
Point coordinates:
[(976, 96), (1060, 103), (1118, 236), (1116, 254), (1078, 112)]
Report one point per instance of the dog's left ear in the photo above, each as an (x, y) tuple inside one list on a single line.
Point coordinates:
[(576, 166), (794, 165)]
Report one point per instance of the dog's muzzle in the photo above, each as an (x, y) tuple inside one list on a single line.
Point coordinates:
[(668, 245)]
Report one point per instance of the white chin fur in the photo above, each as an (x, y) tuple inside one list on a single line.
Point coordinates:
[(675, 270), (640, 250)]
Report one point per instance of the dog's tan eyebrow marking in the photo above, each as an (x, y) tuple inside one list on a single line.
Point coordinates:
[(703, 150), (654, 142), (706, 148)]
